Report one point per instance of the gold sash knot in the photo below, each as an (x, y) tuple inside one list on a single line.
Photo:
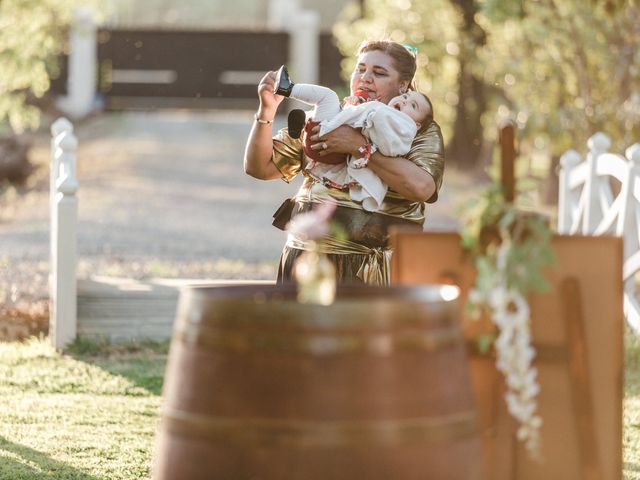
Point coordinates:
[(376, 262)]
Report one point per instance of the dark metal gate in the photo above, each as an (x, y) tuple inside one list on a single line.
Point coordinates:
[(192, 65)]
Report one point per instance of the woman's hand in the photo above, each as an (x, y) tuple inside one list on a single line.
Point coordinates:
[(259, 148), (344, 139), (269, 101), (400, 174)]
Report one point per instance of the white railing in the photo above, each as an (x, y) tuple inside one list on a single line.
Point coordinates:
[(63, 242), (601, 195)]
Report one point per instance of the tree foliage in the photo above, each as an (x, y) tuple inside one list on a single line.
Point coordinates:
[(568, 68), (32, 38), (563, 69), (433, 26)]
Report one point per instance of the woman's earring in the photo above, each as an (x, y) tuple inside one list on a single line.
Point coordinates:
[(403, 90)]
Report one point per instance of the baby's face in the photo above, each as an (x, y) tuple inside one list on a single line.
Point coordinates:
[(413, 104)]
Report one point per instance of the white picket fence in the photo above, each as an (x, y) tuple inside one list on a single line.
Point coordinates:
[(63, 239), (600, 195)]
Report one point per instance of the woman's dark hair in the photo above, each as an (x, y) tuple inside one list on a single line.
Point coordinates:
[(403, 60)]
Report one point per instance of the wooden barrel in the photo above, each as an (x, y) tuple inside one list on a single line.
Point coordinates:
[(375, 386)]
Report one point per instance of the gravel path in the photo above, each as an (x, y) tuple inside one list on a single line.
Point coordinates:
[(161, 194)]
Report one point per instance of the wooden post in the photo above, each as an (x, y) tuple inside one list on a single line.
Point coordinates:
[(63, 290), (579, 376), (505, 441), (507, 160)]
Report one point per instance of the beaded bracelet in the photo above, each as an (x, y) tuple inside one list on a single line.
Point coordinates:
[(259, 120), (366, 150)]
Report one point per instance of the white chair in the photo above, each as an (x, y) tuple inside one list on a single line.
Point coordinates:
[(588, 205)]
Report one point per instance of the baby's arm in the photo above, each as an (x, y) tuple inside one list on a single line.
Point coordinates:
[(326, 100)]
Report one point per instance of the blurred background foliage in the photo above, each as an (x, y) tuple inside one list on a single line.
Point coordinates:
[(33, 34), (561, 69)]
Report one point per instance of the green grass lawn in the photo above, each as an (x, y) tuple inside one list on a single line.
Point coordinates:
[(631, 412), (89, 414), (92, 413)]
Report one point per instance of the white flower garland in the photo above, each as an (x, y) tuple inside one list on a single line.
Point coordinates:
[(510, 312)]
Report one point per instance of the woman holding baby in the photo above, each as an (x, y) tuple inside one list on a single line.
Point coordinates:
[(384, 70)]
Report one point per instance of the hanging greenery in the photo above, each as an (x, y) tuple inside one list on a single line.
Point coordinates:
[(510, 248), (489, 220)]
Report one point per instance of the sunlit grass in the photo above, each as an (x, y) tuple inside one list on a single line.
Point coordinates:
[(91, 414), (631, 409)]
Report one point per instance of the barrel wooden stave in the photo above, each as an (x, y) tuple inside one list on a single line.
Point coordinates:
[(377, 407), (190, 459)]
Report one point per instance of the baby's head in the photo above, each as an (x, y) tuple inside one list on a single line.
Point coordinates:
[(415, 104)]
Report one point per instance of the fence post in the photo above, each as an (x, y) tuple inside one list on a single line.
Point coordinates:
[(64, 219), (83, 61), (58, 127), (568, 161), (304, 46), (598, 144)]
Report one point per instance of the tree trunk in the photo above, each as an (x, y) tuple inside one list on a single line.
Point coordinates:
[(466, 144), (464, 148), (550, 185), (14, 162)]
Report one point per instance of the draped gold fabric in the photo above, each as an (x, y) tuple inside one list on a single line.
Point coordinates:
[(375, 263), (356, 261)]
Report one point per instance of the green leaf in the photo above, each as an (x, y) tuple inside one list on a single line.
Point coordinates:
[(32, 36), (484, 342)]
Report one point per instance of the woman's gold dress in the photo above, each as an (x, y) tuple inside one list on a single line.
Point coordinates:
[(365, 256)]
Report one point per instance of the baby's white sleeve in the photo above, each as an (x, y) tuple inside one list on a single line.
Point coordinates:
[(391, 131), (355, 116)]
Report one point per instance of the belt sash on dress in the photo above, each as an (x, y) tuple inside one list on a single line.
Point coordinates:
[(376, 261)]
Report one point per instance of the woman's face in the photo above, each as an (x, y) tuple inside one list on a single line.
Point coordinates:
[(376, 77)]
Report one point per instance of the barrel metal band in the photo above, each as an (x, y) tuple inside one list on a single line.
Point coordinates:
[(307, 433), (317, 343), (276, 311)]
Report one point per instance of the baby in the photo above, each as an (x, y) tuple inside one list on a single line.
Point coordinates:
[(388, 128)]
